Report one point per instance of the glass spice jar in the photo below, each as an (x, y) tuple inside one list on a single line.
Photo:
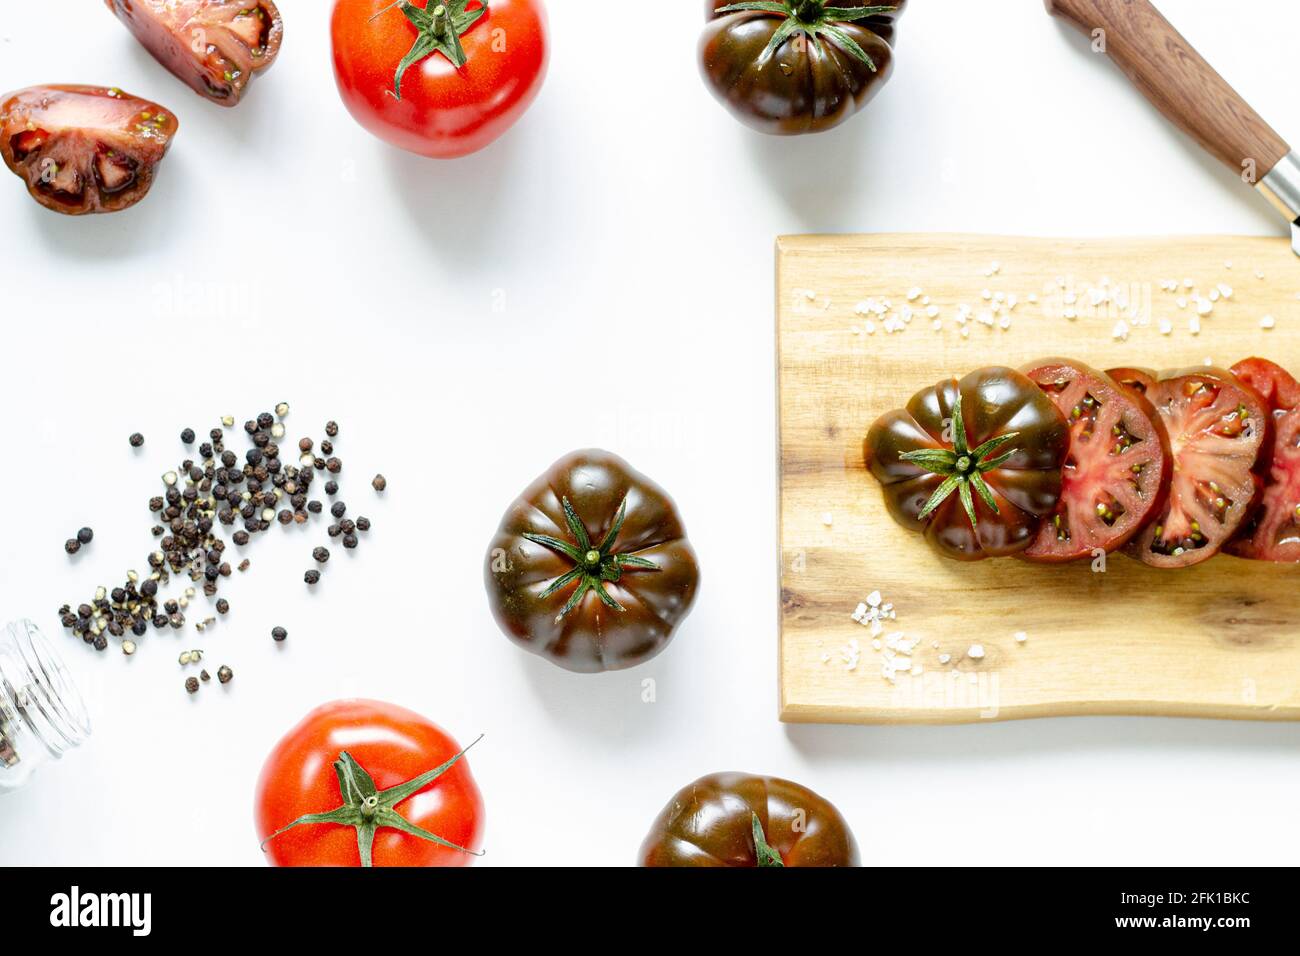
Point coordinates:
[(42, 716)]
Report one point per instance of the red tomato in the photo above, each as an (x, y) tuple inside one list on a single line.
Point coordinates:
[(444, 111), (1272, 532), (392, 745)]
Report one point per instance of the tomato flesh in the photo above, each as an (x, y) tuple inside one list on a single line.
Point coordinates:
[(1272, 532), (1216, 427), (1116, 470)]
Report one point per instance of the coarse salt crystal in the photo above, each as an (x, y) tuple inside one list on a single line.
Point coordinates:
[(913, 294), (1020, 637), (874, 599), (1194, 325), (1120, 331), (827, 519), (1267, 322), (944, 658), (976, 652)]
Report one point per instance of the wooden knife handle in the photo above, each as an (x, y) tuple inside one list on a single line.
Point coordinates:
[(1177, 81)]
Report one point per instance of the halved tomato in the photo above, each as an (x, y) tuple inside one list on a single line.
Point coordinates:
[(1272, 531), (1216, 427), (1116, 471)]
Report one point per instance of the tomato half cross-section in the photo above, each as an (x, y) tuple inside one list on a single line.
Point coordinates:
[(1116, 472), (590, 567), (972, 464), (1217, 426), (441, 78), (362, 783), (1272, 531), (84, 149), (742, 820)]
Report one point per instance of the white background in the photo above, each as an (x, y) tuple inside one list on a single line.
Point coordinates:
[(626, 226)]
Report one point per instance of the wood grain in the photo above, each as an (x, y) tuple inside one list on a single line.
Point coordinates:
[(1178, 81), (1218, 640)]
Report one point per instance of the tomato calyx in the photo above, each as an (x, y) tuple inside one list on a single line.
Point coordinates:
[(765, 853), (594, 565), (815, 19), (368, 809), (439, 27), (962, 468)]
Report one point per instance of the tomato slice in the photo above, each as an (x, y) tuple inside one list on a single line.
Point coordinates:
[(1116, 472), (1217, 427), (1137, 380), (1272, 531)]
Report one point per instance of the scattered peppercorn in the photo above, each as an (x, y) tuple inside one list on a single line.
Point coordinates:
[(192, 685), (363, 523), (223, 606), (72, 546), (187, 436), (331, 487), (339, 509), (312, 576), (205, 676), (331, 428), (380, 483), (136, 440), (279, 634), (224, 674), (349, 541), (85, 535), (321, 555)]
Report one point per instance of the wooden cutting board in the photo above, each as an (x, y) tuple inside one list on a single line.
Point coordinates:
[(1218, 640)]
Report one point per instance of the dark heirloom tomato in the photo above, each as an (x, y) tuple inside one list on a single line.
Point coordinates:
[(734, 819), (591, 568), (975, 477), (84, 149), (1116, 472), (215, 46), (1216, 428), (1272, 531), (797, 66)]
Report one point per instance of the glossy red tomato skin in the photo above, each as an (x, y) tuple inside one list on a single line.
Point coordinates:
[(394, 745), (444, 112)]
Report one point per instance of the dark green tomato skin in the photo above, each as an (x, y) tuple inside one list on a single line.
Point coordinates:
[(592, 637), (710, 823), (806, 86), (995, 401)]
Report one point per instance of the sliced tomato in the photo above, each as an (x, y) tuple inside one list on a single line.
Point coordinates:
[(1138, 380), (1272, 531), (1117, 469), (1217, 427)]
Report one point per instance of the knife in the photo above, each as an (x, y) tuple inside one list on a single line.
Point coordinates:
[(1195, 98)]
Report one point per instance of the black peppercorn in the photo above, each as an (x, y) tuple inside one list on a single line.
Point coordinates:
[(363, 523), (339, 509), (331, 487), (223, 606), (224, 674), (192, 685), (331, 428), (315, 507), (279, 634), (349, 541), (136, 440), (187, 436), (380, 483), (321, 555), (334, 466), (72, 546), (312, 576)]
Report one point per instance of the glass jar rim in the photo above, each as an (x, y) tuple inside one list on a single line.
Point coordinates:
[(53, 708)]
